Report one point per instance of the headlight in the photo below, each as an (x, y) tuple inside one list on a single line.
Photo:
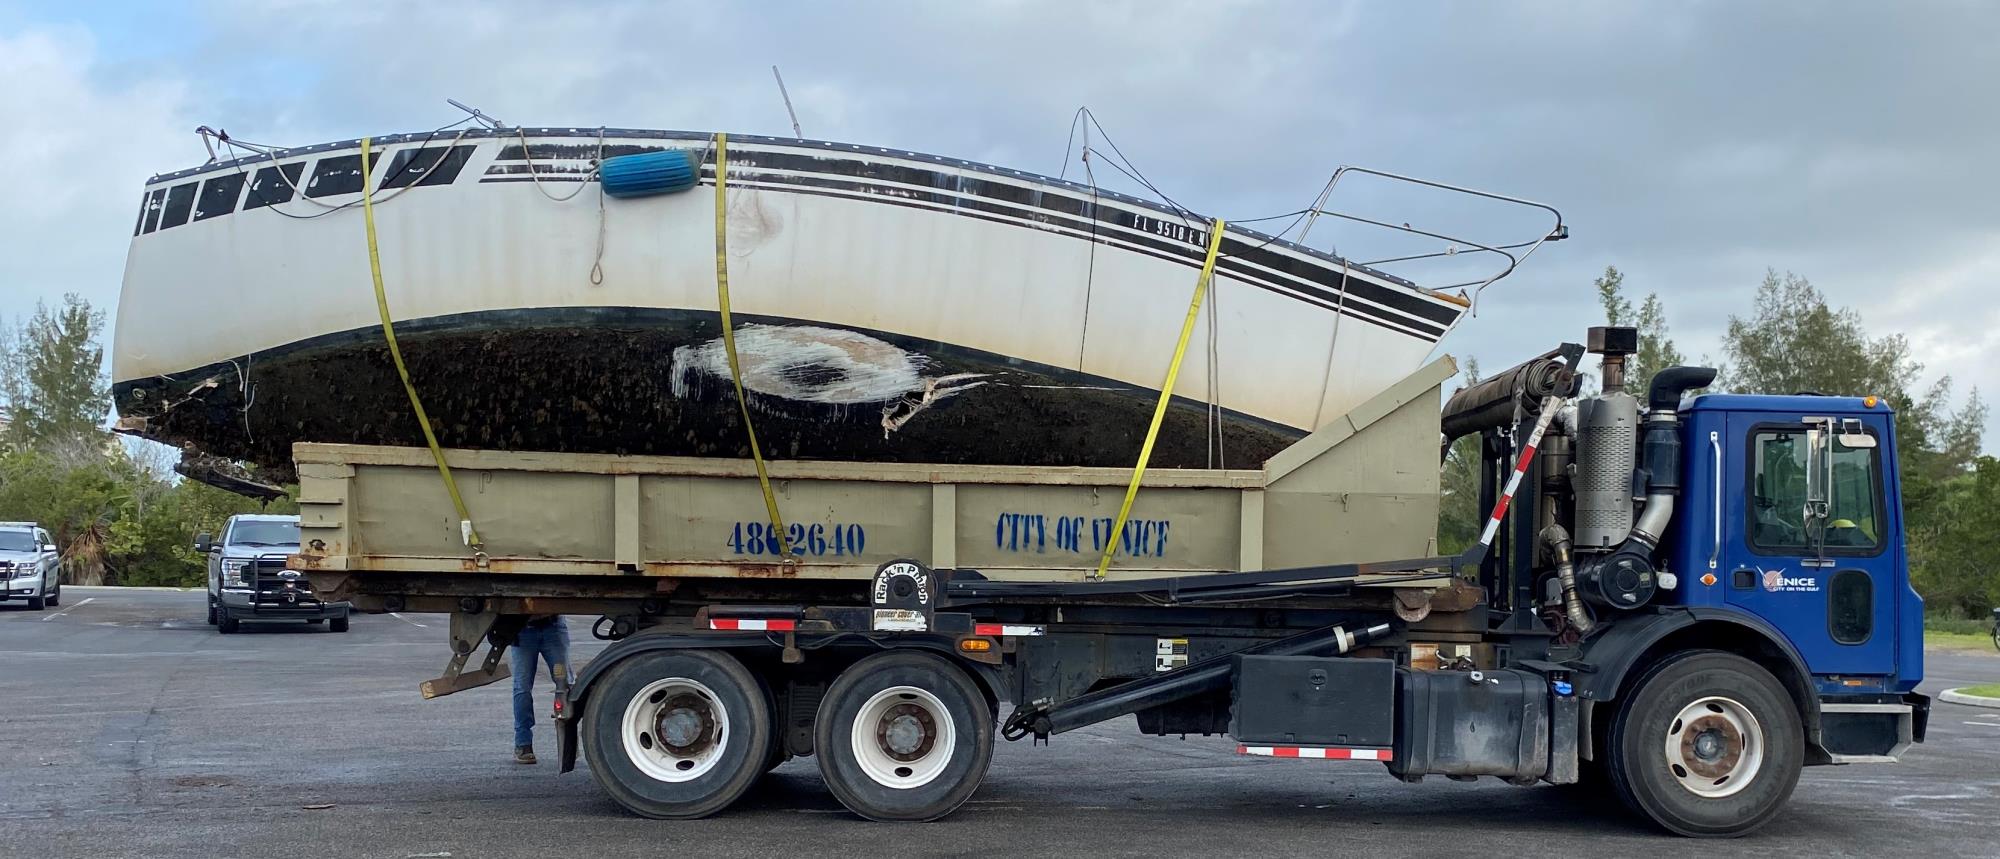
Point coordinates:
[(233, 571)]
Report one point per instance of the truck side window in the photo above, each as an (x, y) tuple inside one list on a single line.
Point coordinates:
[(1778, 525)]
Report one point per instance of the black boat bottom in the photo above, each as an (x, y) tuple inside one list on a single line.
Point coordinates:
[(656, 382)]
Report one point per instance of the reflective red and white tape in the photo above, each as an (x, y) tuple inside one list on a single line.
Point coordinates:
[(1316, 752), (753, 625), (992, 629), (1550, 406)]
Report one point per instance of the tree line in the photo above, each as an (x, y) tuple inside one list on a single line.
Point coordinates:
[(118, 512), (1793, 340)]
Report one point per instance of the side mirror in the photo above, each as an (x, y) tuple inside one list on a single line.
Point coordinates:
[(48, 547), (203, 542)]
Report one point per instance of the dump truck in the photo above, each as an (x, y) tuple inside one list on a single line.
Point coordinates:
[(1680, 598)]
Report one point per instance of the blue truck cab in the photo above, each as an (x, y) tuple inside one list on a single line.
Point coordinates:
[(1796, 527)]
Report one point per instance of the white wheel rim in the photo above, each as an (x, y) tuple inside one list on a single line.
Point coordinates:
[(1715, 747), (903, 737), (675, 729)]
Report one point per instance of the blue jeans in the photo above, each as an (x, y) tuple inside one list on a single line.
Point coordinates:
[(551, 644)]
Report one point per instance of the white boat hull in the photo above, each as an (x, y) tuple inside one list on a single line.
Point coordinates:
[(909, 299)]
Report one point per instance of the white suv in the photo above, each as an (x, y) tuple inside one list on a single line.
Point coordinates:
[(28, 565)]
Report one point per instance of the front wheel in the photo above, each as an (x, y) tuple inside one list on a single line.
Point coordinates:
[(338, 624), (211, 611), (677, 734), (55, 596), (37, 603), (227, 625), (903, 736), (1708, 744)]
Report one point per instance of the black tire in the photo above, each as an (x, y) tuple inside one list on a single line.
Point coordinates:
[(775, 754), (37, 603), (727, 768), (211, 611), (227, 625), (868, 684), (338, 624), (1647, 779), (55, 596)]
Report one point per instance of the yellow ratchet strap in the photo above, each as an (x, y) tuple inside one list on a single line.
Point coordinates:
[(1166, 395), (466, 531), (729, 336)]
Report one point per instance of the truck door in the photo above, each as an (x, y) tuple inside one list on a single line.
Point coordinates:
[(1814, 548)]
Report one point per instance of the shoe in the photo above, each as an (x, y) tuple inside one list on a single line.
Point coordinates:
[(524, 754)]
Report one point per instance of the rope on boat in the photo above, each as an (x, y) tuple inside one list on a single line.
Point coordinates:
[(1166, 395), (465, 528), (729, 339)]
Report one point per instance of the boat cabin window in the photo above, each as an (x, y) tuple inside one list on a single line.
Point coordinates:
[(269, 188), (335, 174)]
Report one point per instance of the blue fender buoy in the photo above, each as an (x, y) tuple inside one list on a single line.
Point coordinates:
[(648, 174)]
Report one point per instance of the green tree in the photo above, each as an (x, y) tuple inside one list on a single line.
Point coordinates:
[(1656, 349), (1956, 574), (56, 391), (1795, 341), (1459, 516)]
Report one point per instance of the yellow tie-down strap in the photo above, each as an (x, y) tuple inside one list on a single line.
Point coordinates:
[(465, 528), (729, 336), (1166, 395)]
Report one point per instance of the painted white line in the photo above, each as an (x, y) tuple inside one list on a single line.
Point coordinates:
[(1985, 724), (86, 601), (408, 621), (132, 588)]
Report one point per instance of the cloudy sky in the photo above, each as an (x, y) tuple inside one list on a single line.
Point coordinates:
[(1693, 145)]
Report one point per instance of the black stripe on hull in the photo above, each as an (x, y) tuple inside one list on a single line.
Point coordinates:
[(1157, 248)]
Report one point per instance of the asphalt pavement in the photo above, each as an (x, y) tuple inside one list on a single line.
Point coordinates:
[(129, 727)]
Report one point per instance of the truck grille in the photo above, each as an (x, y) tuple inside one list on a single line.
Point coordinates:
[(277, 584)]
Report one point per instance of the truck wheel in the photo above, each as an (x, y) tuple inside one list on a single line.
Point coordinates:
[(677, 734), (338, 624), (211, 611), (55, 596), (227, 625), (37, 603), (1708, 744), (903, 736)]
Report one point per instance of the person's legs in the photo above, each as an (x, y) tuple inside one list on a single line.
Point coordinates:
[(555, 651), (527, 646)]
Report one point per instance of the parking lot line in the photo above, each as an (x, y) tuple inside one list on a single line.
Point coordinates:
[(86, 601)]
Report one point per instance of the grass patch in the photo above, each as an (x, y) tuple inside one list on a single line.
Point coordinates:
[(1958, 625), (1958, 641), (1990, 690)]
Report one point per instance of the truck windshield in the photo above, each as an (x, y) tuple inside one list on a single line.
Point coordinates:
[(17, 541), (255, 533)]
